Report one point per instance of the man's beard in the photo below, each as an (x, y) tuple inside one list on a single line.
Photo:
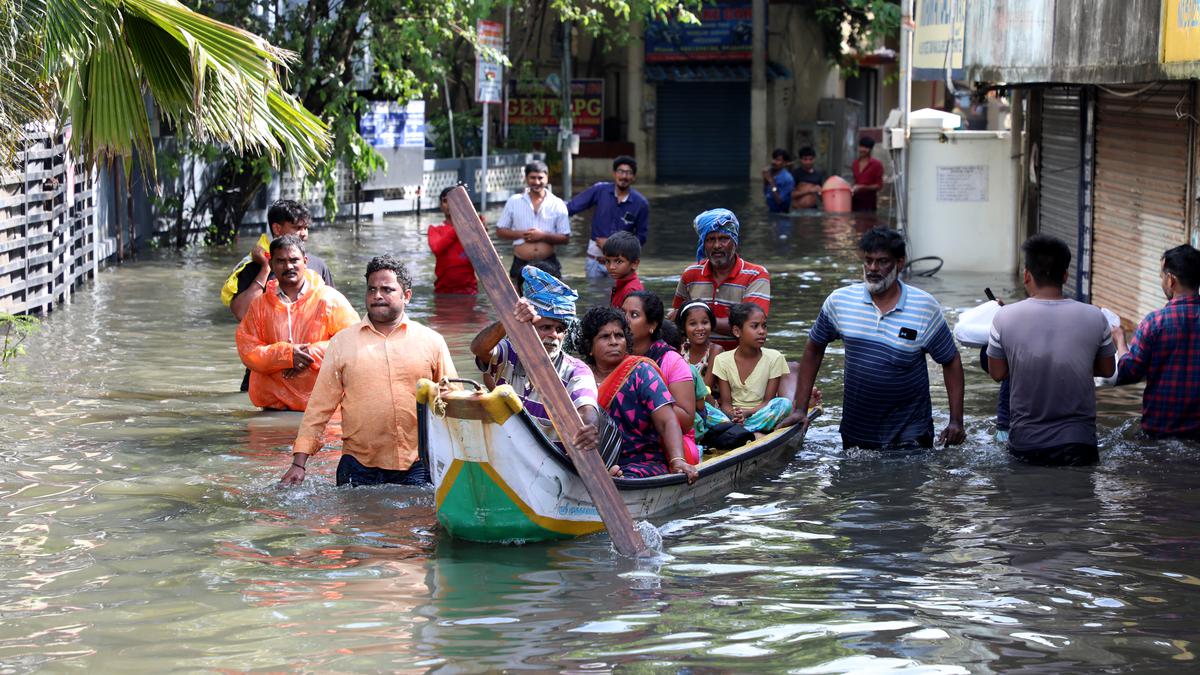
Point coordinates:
[(553, 348), (877, 287)]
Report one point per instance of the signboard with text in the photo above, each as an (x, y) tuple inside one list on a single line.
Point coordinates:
[(725, 33), (488, 74), (387, 124), (1181, 31), (938, 41), (533, 104)]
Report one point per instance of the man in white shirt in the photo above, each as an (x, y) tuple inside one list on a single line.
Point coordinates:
[(535, 221)]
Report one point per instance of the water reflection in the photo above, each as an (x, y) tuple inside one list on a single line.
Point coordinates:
[(142, 525)]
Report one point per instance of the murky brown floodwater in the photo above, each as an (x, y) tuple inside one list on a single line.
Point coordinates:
[(142, 530)]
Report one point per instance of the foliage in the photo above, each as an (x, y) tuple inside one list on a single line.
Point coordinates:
[(853, 26), (355, 51), (96, 59), (15, 328)]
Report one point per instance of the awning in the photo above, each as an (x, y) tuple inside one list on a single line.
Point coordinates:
[(711, 72)]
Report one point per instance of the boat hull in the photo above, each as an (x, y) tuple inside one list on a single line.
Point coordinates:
[(497, 479)]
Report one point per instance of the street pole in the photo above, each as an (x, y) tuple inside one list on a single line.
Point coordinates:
[(483, 163), (906, 42), (566, 124)]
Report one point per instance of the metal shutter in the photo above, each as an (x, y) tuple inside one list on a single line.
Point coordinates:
[(1141, 193), (703, 131), (1060, 174)]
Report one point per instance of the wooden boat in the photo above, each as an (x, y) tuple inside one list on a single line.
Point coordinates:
[(498, 479)]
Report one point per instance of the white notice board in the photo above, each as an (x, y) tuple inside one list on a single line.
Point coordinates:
[(962, 183)]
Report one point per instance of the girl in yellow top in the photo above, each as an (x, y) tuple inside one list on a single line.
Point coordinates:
[(748, 377)]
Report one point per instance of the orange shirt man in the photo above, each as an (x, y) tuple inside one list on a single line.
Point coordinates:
[(371, 371), (284, 333)]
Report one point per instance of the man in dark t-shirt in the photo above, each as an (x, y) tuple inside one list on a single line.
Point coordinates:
[(285, 216), (809, 179)]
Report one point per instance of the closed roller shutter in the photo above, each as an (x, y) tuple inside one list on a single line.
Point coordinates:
[(703, 131), (1060, 173), (1140, 195)]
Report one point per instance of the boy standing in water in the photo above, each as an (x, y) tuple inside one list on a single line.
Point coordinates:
[(453, 272), (622, 254)]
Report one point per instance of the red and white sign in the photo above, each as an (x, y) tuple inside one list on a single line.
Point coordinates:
[(489, 75)]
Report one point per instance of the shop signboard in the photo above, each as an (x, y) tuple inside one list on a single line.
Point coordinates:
[(533, 104), (725, 33), (938, 41), (1181, 31)]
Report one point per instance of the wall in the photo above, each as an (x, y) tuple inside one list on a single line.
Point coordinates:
[(51, 240), (1084, 41)]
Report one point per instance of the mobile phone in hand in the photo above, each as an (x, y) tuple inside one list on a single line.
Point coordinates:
[(989, 294)]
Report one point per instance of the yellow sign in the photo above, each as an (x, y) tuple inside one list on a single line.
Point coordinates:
[(938, 42), (1181, 30)]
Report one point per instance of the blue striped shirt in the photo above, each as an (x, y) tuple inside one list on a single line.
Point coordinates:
[(887, 382)]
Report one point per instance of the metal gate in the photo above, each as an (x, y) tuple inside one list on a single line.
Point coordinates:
[(1063, 182), (703, 131), (1142, 163)]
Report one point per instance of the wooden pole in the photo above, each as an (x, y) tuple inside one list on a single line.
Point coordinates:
[(541, 372)]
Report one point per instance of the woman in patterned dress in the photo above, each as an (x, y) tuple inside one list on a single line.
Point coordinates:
[(635, 396)]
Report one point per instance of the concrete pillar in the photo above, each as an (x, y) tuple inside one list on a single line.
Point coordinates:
[(639, 108), (758, 89)]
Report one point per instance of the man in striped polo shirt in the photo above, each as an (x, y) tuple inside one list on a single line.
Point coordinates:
[(887, 327), (721, 277)]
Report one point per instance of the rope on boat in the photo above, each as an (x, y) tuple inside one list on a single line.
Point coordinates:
[(439, 404)]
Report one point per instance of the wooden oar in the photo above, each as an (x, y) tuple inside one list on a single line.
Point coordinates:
[(541, 372)]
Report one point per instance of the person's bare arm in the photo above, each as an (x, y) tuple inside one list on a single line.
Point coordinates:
[(1104, 366), (684, 393), (952, 373), (810, 363), (672, 441)]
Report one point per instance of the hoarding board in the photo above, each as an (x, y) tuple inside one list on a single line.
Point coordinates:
[(725, 33), (531, 103), (941, 25), (1181, 30)]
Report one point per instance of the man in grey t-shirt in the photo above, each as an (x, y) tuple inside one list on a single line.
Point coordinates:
[(1049, 347)]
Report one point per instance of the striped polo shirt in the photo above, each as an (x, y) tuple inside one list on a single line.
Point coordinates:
[(886, 381), (746, 283)]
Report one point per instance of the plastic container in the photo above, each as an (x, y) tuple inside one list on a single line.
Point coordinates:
[(975, 324), (835, 195)]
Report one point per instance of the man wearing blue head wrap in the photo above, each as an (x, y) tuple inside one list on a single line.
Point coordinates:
[(549, 305), (721, 278)]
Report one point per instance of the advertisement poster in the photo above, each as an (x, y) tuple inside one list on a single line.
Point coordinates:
[(387, 124), (725, 33), (488, 74), (533, 104)]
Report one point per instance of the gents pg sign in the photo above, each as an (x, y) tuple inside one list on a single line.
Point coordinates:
[(533, 104)]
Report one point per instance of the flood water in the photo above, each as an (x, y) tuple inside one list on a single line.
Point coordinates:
[(142, 529)]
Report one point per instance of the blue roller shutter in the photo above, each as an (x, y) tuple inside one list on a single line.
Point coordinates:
[(703, 131)]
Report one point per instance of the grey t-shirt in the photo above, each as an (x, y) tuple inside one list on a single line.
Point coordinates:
[(1051, 347)]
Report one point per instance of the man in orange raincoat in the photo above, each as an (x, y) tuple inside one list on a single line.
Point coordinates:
[(284, 334)]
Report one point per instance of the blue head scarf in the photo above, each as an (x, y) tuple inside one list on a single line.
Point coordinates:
[(550, 297), (715, 220)]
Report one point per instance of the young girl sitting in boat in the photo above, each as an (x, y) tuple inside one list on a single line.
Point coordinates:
[(635, 396), (695, 321), (748, 377)]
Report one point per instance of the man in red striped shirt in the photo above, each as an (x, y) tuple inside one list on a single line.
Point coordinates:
[(722, 278)]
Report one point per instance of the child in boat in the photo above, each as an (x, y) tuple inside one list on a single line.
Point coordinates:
[(695, 321), (748, 377), (453, 272)]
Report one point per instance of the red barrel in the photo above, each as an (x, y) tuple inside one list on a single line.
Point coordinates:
[(835, 195)]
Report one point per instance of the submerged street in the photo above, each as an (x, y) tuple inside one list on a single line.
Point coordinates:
[(143, 529)]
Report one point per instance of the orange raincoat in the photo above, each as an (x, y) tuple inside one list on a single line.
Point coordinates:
[(271, 327)]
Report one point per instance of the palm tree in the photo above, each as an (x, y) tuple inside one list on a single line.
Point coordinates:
[(96, 61)]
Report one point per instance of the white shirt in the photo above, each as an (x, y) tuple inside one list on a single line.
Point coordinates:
[(519, 215)]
